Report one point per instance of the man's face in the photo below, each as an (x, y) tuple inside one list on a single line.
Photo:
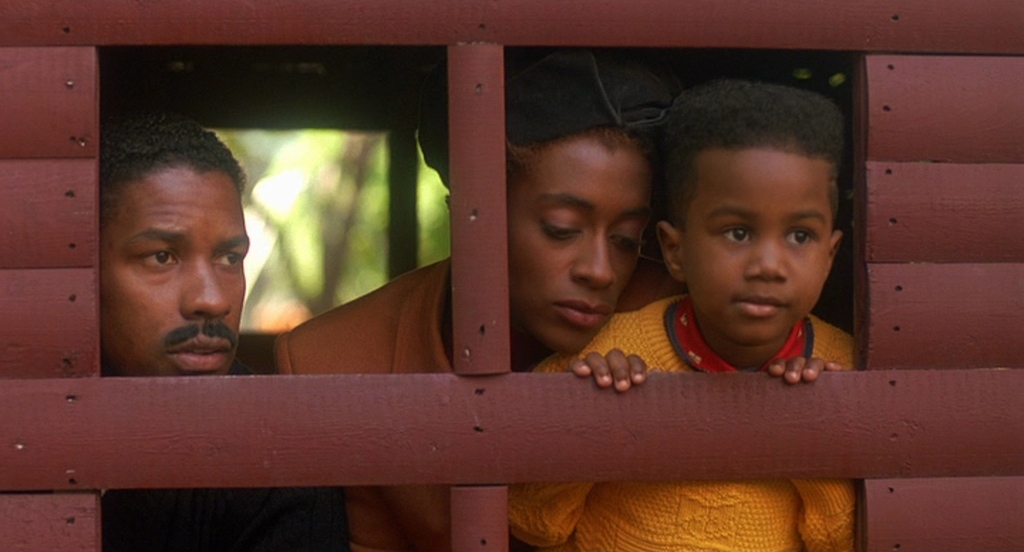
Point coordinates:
[(171, 280), (756, 248), (575, 220)]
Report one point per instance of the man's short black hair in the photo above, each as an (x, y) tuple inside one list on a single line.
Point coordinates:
[(132, 148), (738, 114)]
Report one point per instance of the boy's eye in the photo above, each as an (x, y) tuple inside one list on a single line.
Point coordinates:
[(800, 237), (737, 234)]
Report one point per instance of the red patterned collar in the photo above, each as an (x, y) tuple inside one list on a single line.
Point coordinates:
[(690, 345)]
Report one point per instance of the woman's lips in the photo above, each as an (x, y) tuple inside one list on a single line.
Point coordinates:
[(582, 314)]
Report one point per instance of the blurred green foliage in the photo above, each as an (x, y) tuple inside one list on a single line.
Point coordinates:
[(316, 206)]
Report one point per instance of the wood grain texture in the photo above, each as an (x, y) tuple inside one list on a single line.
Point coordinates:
[(976, 26), (962, 109), (48, 323), (937, 315), (945, 515), (62, 522), (48, 101), (48, 213), (476, 104), (91, 433), (944, 212)]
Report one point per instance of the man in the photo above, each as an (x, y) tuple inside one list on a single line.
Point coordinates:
[(172, 242)]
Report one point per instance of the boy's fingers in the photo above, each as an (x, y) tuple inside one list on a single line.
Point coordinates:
[(812, 368), (637, 369), (794, 369), (777, 368), (833, 366), (619, 367), (599, 368), (580, 368)]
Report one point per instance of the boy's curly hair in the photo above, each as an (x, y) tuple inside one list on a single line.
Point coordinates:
[(738, 114)]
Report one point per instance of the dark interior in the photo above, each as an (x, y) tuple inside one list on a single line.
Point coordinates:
[(377, 88)]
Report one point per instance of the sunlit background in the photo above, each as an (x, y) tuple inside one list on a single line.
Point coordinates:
[(316, 210)]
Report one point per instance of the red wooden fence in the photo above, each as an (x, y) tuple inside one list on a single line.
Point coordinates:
[(939, 145)]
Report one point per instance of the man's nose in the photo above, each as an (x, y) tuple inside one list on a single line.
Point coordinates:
[(204, 294)]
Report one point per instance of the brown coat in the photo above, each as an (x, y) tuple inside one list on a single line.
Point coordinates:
[(398, 329)]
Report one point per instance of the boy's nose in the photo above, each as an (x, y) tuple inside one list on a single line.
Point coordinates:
[(767, 262)]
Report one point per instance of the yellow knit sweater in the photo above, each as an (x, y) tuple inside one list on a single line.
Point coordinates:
[(755, 515)]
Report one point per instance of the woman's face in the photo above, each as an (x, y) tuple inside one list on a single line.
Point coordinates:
[(575, 220)]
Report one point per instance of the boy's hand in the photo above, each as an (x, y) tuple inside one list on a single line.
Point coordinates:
[(796, 370), (615, 368)]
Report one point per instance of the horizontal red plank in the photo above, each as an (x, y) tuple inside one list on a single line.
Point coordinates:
[(944, 212), (48, 323), (937, 315), (48, 213), (91, 433), (945, 515), (977, 26), (946, 108), (48, 101), (62, 522)]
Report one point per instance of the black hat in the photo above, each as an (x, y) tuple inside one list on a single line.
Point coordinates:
[(562, 94)]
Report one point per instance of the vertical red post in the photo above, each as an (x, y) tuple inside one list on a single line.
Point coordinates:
[(480, 519), (480, 327), (476, 106)]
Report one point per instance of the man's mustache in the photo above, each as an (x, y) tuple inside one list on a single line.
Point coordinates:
[(210, 328)]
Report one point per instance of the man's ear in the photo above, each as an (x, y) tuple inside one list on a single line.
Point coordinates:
[(671, 240)]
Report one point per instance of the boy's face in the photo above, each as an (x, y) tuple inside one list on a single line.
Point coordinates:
[(756, 248)]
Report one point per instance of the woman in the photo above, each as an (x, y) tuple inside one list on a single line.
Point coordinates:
[(580, 131)]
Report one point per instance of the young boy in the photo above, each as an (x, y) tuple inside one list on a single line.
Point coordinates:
[(751, 171)]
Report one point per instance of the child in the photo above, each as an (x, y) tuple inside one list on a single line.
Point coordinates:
[(751, 171)]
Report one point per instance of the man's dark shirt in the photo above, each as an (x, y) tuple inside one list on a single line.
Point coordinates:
[(225, 520)]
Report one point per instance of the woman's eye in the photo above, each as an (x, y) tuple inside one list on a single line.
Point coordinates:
[(627, 243), (559, 232), (738, 234)]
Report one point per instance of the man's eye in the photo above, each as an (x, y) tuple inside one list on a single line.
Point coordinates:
[(232, 259), (163, 257), (738, 234)]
